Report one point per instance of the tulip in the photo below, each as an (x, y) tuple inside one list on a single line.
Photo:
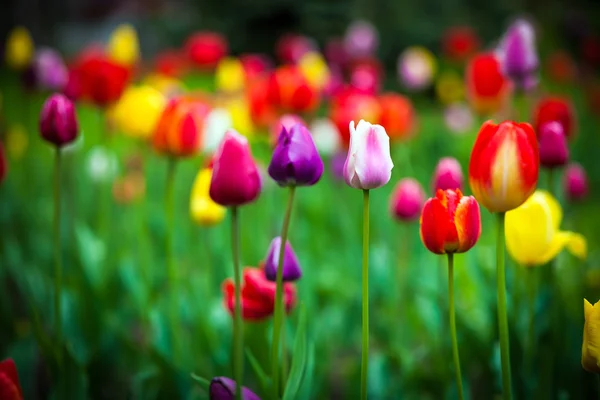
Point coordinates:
[(206, 49), (291, 48), (416, 68), (533, 235), (19, 48), (554, 151), (230, 76), (458, 118), (361, 39), (204, 211), (314, 68), (448, 174), (504, 165), (517, 54), (258, 295), (123, 46), (3, 163), (487, 88), (290, 90), (460, 43), (575, 182), (295, 161), (217, 123), (449, 87), (349, 105), (262, 112), (590, 350), (241, 118), (555, 109), (291, 267), (286, 121), (335, 52), (397, 115), (407, 200), (138, 111), (58, 121), (101, 80), (235, 180), (366, 76), (10, 388), (326, 136), (369, 164), (255, 66), (49, 70), (222, 388)]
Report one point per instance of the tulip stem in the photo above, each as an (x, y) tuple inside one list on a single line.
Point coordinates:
[(452, 315), (238, 333), (57, 263), (532, 288), (364, 367), (502, 315), (551, 181), (171, 267), (279, 300)]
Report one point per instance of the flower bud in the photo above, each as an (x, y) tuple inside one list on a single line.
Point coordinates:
[(222, 388), (448, 175), (590, 354), (407, 200), (203, 210), (517, 54), (575, 182), (554, 151), (58, 121), (10, 388), (291, 267)]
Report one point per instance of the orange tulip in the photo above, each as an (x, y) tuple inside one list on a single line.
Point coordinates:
[(397, 115)]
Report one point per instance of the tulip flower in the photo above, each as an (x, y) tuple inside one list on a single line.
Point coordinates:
[(206, 49), (216, 124), (315, 69), (366, 76), (326, 136), (101, 79), (19, 48), (203, 210), (361, 39), (416, 68), (458, 118), (49, 70), (3, 163), (290, 90), (258, 295), (262, 112), (407, 200), (575, 182), (554, 151), (555, 109), (397, 115), (255, 66), (449, 87), (590, 350), (291, 48), (291, 267), (58, 121), (518, 56), (487, 88), (222, 388), (241, 118), (504, 165), (349, 105), (295, 161), (335, 52), (533, 235), (229, 75), (10, 388), (123, 46), (447, 175), (286, 121), (460, 43), (138, 111)]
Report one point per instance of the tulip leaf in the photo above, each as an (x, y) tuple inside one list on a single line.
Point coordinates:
[(299, 359), (264, 379), (307, 381), (205, 383)]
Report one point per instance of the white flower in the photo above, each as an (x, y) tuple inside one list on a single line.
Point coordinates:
[(326, 136)]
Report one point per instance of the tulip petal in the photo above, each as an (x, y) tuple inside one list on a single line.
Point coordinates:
[(577, 245), (467, 220), (592, 327), (372, 162), (434, 225)]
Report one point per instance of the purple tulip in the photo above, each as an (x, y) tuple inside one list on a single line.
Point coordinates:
[(575, 182), (49, 70), (361, 39), (58, 121), (296, 161), (517, 54), (222, 388), (291, 267), (407, 200), (448, 175), (554, 151)]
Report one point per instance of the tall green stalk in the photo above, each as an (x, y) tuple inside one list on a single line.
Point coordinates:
[(364, 366), (502, 314), (171, 267), (531, 345), (238, 328), (279, 300), (451, 313), (57, 262)]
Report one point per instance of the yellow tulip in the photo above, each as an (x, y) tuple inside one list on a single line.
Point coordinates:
[(123, 46), (533, 235), (203, 210), (230, 76), (450, 88), (590, 350), (314, 68), (17, 141), (240, 116), (19, 48), (138, 110)]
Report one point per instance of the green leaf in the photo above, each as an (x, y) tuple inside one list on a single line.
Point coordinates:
[(202, 381), (264, 379), (298, 361), (307, 382)]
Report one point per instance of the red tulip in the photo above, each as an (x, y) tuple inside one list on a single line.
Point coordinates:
[(557, 109), (352, 105), (206, 49), (397, 115), (258, 295), (58, 120), (459, 43), (10, 388), (487, 88), (290, 90), (366, 75), (255, 66), (262, 111), (101, 79)]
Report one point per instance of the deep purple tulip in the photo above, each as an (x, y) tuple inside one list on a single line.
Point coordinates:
[(407, 200), (554, 151), (517, 54), (296, 161), (58, 121), (448, 175), (291, 267), (575, 182), (222, 388), (49, 70)]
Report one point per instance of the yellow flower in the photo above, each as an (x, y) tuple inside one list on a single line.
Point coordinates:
[(230, 76), (533, 235), (240, 116), (123, 46), (314, 68), (590, 350), (19, 48), (16, 141), (449, 88), (203, 210), (138, 110)]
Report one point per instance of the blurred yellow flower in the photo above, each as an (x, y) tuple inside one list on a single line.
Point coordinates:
[(533, 235), (230, 76), (203, 210), (450, 88), (590, 350), (314, 68), (239, 111), (138, 110), (123, 46), (16, 142), (165, 84), (19, 48)]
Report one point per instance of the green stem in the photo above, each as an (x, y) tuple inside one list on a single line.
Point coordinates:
[(452, 315), (279, 300), (364, 367), (171, 267), (551, 181), (532, 289), (57, 262), (502, 314), (238, 333)]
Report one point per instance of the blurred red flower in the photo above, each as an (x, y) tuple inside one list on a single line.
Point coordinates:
[(397, 115), (10, 388), (558, 109), (459, 43), (290, 91), (206, 49), (352, 104), (290, 48), (487, 88), (262, 111)]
